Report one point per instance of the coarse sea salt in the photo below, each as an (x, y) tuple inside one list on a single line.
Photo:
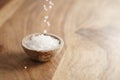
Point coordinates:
[(42, 42)]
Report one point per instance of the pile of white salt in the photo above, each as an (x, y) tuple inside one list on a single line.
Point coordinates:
[(42, 42)]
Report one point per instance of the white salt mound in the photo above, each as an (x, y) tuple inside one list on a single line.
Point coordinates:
[(42, 42)]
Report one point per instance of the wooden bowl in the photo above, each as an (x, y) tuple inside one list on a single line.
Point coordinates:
[(42, 55)]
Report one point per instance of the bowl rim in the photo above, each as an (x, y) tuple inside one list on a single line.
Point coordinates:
[(61, 42)]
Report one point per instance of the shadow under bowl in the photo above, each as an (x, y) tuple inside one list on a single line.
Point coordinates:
[(42, 55)]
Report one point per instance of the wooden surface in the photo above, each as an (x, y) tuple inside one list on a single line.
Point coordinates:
[(90, 29)]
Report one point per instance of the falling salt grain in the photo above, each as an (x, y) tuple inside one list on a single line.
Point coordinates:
[(51, 3), (45, 21), (46, 17), (25, 67), (48, 23), (45, 8), (50, 6), (45, 31)]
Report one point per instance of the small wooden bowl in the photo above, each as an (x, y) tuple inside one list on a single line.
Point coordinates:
[(42, 55)]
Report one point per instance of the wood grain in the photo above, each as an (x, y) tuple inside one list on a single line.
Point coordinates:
[(90, 29), (92, 36), (27, 19), (8, 8)]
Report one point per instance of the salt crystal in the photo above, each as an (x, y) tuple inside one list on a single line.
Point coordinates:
[(25, 67), (48, 23), (42, 42), (45, 21), (51, 3), (50, 6), (45, 31), (46, 17), (45, 8)]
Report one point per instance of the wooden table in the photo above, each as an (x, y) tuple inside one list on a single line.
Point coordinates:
[(90, 29)]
